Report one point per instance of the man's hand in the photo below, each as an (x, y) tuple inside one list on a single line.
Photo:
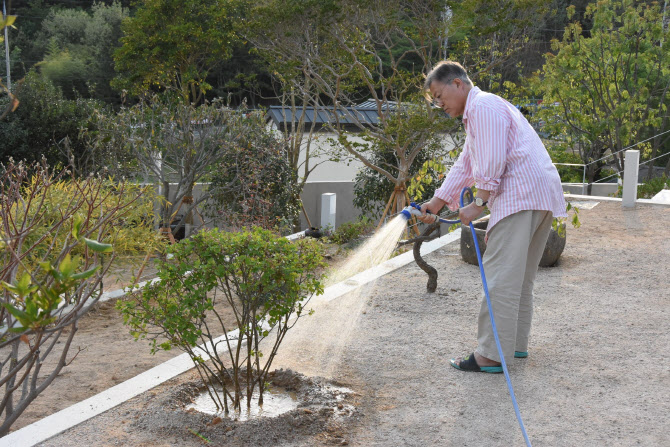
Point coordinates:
[(433, 206), (469, 213)]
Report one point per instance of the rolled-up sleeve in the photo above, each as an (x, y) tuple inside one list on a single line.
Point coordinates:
[(458, 177), (490, 130)]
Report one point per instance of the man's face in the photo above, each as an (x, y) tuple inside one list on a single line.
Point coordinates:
[(450, 97)]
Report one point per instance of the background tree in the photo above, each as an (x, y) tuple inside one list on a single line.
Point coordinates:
[(498, 42), (352, 51), (174, 144), (174, 44), (73, 48), (46, 124), (371, 190), (610, 83), (298, 106), (165, 140)]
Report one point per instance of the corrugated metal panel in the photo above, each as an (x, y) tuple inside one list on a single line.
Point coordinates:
[(372, 104), (365, 113)]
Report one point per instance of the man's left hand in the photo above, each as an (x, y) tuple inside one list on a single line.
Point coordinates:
[(469, 213)]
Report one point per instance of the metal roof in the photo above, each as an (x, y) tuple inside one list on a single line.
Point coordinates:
[(365, 113)]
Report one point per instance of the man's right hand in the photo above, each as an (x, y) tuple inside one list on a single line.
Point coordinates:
[(433, 206)]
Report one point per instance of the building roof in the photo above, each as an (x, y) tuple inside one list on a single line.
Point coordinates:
[(366, 114)]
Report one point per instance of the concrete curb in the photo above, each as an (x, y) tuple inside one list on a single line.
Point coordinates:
[(659, 201), (69, 417)]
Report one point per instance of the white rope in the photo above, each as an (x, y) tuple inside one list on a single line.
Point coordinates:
[(628, 147), (644, 163), (655, 158)]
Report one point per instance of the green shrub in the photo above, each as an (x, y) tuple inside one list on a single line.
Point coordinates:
[(43, 122), (265, 279), (252, 182), (349, 231), (568, 174), (130, 230), (649, 188)]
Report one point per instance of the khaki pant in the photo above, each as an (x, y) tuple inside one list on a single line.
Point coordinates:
[(513, 252)]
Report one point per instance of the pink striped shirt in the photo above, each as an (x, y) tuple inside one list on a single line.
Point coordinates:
[(503, 154)]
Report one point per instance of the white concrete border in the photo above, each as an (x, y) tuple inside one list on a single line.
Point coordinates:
[(616, 199), (69, 417)]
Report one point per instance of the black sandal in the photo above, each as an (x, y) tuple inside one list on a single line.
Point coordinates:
[(470, 364)]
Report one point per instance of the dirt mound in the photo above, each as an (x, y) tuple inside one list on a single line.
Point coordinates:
[(324, 411)]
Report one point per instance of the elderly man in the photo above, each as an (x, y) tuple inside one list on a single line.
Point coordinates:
[(507, 162)]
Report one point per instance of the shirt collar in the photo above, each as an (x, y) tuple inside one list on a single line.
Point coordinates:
[(474, 91)]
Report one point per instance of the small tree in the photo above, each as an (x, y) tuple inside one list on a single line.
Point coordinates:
[(169, 142), (176, 145), (610, 84), (52, 263), (265, 279), (372, 190), (252, 183)]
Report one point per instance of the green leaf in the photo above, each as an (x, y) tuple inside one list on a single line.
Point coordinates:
[(8, 21), (23, 286), (11, 288), (87, 274), (76, 226), (46, 266), (20, 315), (67, 266), (98, 247)]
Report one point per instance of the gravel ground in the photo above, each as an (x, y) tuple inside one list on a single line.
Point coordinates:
[(597, 374)]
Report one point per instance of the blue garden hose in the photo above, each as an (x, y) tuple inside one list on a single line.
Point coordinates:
[(493, 323), (415, 209)]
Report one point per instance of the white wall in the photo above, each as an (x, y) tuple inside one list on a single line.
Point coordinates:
[(329, 171)]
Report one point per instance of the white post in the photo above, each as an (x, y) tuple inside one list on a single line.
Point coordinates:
[(328, 211), (630, 171)]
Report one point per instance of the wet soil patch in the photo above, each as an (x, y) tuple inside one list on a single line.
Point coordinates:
[(325, 413)]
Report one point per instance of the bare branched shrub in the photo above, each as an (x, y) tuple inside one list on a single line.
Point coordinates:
[(55, 247)]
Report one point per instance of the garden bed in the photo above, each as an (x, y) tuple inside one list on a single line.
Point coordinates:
[(106, 353)]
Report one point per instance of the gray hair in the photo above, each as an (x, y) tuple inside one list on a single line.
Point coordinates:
[(445, 72)]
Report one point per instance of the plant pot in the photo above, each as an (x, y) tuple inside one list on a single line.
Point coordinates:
[(552, 251)]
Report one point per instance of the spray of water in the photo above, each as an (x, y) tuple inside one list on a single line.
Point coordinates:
[(373, 252), (316, 345)]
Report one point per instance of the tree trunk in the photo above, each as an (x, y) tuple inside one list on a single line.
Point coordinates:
[(591, 174), (400, 201)]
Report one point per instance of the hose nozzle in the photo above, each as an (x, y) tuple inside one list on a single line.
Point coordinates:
[(409, 211), (415, 210)]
